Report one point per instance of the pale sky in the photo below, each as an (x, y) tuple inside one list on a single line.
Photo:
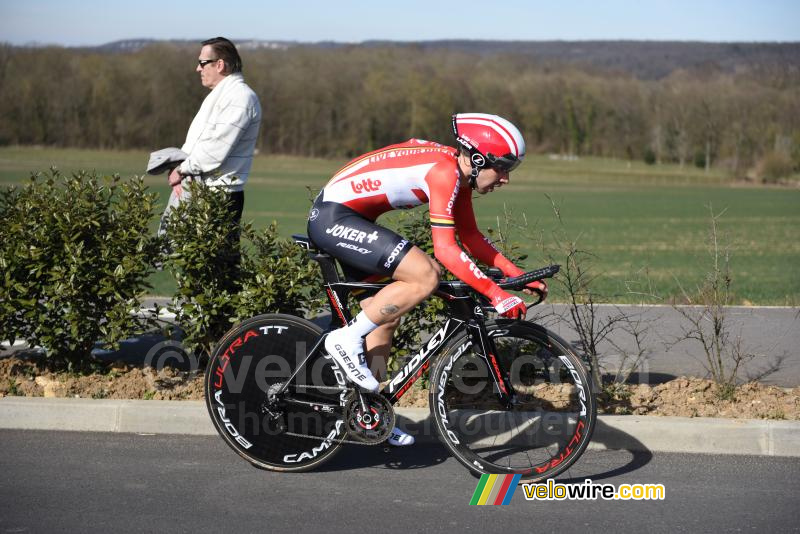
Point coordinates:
[(94, 22)]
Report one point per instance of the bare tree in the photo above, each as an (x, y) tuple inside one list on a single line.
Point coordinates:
[(708, 322)]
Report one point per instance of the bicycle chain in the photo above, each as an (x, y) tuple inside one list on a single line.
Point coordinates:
[(323, 438)]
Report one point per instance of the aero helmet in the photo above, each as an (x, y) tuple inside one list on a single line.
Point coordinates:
[(489, 140)]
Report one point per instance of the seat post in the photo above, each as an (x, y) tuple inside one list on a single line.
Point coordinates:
[(337, 296)]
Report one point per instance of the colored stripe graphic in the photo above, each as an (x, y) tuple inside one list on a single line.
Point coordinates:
[(477, 495), (512, 487), (495, 489), (487, 489)]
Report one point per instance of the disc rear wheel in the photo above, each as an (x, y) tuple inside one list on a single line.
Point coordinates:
[(247, 368)]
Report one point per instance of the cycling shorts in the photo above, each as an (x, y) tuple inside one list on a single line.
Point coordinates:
[(363, 247)]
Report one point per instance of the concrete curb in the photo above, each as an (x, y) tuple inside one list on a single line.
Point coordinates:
[(102, 415), (634, 433)]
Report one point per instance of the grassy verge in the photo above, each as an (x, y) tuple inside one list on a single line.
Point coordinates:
[(635, 218)]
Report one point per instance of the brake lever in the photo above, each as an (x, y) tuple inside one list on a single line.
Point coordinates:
[(536, 303)]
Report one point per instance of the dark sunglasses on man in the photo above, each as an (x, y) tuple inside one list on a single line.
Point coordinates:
[(203, 62)]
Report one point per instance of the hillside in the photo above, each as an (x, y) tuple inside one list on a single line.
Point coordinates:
[(647, 60)]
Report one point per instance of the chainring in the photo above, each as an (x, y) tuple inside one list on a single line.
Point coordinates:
[(371, 427)]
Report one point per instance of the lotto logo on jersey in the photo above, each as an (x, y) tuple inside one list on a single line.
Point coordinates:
[(365, 186), (351, 234)]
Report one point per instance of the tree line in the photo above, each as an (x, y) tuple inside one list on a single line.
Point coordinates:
[(342, 101)]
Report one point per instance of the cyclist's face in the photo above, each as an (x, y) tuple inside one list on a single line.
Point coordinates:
[(490, 178)]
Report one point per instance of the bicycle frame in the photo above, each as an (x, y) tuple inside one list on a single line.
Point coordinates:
[(466, 315)]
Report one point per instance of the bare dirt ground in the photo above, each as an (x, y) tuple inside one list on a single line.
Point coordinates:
[(686, 397)]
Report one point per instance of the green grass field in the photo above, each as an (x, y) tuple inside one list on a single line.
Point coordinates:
[(641, 222)]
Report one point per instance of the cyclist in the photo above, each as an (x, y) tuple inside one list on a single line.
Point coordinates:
[(405, 175)]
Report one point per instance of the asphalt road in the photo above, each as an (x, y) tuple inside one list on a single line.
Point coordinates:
[(90, 482)]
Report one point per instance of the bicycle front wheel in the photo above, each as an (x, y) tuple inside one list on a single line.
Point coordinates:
[(552, 413)]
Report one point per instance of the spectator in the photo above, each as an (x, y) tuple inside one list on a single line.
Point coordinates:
[(222, 137)]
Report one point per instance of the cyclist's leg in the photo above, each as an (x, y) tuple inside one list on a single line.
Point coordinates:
[(416, 277), (378, 345), (425, 279), (368, 248)]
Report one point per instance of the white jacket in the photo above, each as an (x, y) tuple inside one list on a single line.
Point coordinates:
[(223, 135)]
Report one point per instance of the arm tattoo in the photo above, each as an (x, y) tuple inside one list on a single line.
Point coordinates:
[(389, 310)]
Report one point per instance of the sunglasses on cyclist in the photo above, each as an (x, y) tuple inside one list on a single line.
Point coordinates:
[(505, 163)]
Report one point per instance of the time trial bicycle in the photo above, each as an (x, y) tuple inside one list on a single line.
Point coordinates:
[(506, 396)]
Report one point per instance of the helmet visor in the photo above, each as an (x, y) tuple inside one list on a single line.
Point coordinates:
[(506, 163)]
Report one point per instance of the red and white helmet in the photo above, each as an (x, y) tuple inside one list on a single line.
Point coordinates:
[(490, 140)]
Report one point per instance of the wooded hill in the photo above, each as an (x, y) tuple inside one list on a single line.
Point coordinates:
[(733, 104), (647, 60)]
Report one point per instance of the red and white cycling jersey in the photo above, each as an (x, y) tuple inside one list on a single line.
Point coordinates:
[(416, 172), (396, 177)]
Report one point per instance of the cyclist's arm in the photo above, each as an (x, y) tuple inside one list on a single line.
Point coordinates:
[(444, 188), (475, 242)]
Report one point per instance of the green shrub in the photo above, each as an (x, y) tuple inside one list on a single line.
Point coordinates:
[(775, 166), (75, 254), (223, 279), (203, 258), (700, 159), (277, 276)]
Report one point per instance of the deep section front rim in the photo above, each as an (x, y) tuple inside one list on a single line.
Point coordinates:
[(553, 412)]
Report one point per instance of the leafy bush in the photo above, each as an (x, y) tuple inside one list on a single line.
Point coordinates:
[(774, 166), (700, 159), (202, 255), (277, 276), (75, 255), (223, 279)]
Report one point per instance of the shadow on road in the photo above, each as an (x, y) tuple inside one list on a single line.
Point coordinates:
[(603, 459), (612, 453), (417, 456)]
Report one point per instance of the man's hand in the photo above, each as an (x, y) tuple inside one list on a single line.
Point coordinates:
[(175, 177), (509, 306)]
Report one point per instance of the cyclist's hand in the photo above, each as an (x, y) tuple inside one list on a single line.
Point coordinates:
[(509, 306), (538, 288)]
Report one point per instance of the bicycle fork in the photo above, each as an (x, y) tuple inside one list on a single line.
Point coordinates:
[(483, 342)]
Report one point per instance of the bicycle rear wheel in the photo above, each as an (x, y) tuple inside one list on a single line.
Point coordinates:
[(256, 357), (552, 415)]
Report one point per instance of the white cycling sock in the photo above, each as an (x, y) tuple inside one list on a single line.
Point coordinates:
[(398, 438), (361, 325), (346, 345)]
